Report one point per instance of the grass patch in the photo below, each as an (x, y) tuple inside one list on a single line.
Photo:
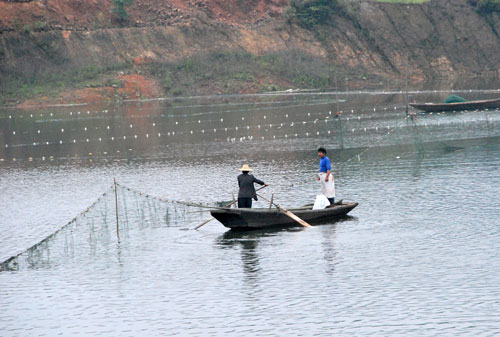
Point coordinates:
[(15, 85), (233, 71)]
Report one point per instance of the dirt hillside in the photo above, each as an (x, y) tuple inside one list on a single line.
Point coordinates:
[(94, 14), (211, 46)]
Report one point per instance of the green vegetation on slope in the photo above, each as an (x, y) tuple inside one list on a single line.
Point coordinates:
[(15, 87), (218, 72), (120, 8), (234, 71), (487, 6), (310, 13)]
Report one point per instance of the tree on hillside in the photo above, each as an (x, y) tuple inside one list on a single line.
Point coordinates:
[(486, 6), (120, 9), (311, 12)]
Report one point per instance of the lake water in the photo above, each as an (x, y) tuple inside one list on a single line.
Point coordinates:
[(419, 256)]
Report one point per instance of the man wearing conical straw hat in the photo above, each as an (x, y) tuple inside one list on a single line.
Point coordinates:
[(247, 189)]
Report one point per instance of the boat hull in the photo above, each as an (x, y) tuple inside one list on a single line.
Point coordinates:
[(257, 218), (461, 106)]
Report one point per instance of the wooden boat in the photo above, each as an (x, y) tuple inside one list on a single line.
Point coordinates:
[(257, 218), (460, 106)]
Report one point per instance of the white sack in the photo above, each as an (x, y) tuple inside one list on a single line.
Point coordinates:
[(321, 202)]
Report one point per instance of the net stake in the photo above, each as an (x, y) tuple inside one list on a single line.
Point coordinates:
[(116, 208), (271, 202)]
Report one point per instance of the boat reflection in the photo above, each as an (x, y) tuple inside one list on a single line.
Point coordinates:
[(328, 234), (248, 241)]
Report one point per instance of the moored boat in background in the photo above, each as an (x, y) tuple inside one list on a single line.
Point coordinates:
[(458, 106)]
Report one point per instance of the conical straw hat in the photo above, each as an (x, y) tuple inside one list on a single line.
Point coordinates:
[(245, 168)]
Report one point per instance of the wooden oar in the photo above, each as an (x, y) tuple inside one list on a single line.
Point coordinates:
[(288, 213), (227, 206)]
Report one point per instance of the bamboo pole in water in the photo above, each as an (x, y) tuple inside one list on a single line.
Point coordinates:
[(407, 99), (337, 114), (116, 208)]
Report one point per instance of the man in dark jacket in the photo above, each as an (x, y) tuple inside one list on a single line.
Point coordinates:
[(247, 189)]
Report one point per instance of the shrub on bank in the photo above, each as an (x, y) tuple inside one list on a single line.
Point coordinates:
[(487, 6), (310, 13), (120, 9)]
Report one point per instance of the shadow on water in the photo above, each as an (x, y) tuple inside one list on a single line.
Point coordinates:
[(248, 241), (417, 168), (328, 236)]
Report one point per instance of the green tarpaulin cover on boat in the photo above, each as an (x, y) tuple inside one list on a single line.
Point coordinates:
[(454, 99)]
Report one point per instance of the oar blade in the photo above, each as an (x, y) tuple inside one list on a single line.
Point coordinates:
[(204, 223), (296, 218)]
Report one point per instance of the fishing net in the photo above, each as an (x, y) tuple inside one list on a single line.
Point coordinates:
[(355, 133), (96, 227)]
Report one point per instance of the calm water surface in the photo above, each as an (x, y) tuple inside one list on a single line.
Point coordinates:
[(418, 257)]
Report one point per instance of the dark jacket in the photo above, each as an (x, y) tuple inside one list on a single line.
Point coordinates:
[(247, 190)]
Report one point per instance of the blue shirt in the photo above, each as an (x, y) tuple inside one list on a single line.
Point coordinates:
[(325, 164)]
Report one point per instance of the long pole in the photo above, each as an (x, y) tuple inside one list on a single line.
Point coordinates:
[(337, 113), (336, 92), (116, 208)]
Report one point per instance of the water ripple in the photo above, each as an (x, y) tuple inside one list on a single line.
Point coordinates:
[(418, 257)]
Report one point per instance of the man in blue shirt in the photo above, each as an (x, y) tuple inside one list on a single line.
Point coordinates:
[(325, 177)]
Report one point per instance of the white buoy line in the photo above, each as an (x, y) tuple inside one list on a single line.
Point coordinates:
[(326, 119), (267, 127), (87, 114), (79, 114), (158, 135)]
